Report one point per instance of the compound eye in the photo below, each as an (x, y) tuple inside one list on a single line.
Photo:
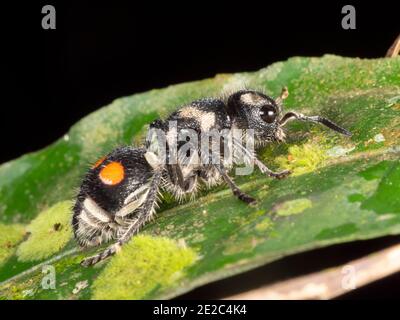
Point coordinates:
[(268, 114)]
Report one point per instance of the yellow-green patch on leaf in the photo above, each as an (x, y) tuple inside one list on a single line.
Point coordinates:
[(264, 224), (291, 207), (50, 232), (145, 264), (304, 158), (10, 235)]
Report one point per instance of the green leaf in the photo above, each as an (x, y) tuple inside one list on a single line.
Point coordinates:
[(343, 189)]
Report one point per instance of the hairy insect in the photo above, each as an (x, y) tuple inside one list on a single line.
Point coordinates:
[(119, 194)]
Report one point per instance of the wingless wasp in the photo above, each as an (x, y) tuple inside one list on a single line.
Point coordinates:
[(119, 194)]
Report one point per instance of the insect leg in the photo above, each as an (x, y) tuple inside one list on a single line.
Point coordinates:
[(145, 212), (183, 173), (175, 174), (291, 115), (91, 224), (264, 169), (252, 157), (235, 189)]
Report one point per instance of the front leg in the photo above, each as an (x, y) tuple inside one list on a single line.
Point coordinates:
[(251, 157), (264, 169), (235, 189)]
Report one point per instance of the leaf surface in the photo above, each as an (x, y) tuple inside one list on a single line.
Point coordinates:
[(343, 189)]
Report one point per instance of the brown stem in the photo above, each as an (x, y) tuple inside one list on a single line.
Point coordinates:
[(333, 282), (394, 50)]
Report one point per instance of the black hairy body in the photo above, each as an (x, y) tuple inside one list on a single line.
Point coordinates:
[(120, 193)]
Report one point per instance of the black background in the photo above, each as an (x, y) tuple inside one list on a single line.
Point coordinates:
[(101, 51)]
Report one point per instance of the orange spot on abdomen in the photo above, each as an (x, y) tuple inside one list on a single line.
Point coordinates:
[(98, 162), (112, 174)]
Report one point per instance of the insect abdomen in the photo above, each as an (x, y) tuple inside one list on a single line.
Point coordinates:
[(110, 194)]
